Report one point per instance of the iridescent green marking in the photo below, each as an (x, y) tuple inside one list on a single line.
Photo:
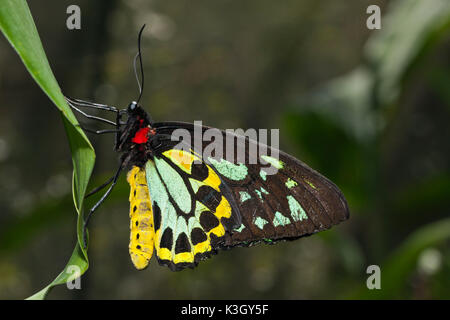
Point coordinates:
[(199, 209), (260, 192), (280, 220), (263, 174), (244, 196), (297, 212), (273, 161), (195, 184), (260, 222), (290, 183), (180, 227), (193, 222), (160, 196), (310, 184), (241, 227), (175, 184), (230, 170)]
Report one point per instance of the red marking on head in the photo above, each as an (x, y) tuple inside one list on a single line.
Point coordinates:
[(141, 136)]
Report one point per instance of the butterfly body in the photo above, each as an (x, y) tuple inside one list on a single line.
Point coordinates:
[(142, 231)]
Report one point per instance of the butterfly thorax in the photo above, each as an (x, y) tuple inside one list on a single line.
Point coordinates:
[(136, 138)]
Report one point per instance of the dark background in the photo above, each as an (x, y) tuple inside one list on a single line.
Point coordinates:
[(367, 108)]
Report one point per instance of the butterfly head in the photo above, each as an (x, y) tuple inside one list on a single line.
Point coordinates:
[(135, 111), (132, 107)]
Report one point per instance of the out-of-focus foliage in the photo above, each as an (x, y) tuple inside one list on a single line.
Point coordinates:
[(367, 108), (356, 116), (17, 25)]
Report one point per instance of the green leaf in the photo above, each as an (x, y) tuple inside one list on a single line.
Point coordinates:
[(18, 26)]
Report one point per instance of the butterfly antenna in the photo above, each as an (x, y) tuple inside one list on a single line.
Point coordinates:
[(139, 55)]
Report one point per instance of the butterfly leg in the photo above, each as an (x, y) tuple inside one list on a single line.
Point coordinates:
[(90, 116), (99, 131), (97, 189), (105, 195), (84, 103), (118, 133)]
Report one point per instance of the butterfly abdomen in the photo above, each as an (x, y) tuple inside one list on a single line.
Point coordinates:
[(142, 232)]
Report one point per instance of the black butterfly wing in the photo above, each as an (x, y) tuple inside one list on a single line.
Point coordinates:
[(275, 198), (294, 202)]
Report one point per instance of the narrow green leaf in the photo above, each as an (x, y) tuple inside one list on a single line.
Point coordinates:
[(18, 26), (77, 259)]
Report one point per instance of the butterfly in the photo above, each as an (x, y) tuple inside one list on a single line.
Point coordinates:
[(186, 204)]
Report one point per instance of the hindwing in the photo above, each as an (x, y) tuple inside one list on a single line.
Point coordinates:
[(190, 210)]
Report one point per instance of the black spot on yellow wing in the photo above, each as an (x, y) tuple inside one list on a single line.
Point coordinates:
[(182, 244), (198, 236), (208, 221), (157, 216), (167, 239), (209, 197), (199, 171)]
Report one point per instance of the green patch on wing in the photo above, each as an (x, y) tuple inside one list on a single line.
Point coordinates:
[(260, 222), (244, 196), (230, 170), (297, 212), (277, 163), (241, 227), (290, 183), (310, 184), (280, 220), (263, 174), (260, 192), (175, 184)]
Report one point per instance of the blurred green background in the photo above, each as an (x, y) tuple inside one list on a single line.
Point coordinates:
[(370, 109)]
